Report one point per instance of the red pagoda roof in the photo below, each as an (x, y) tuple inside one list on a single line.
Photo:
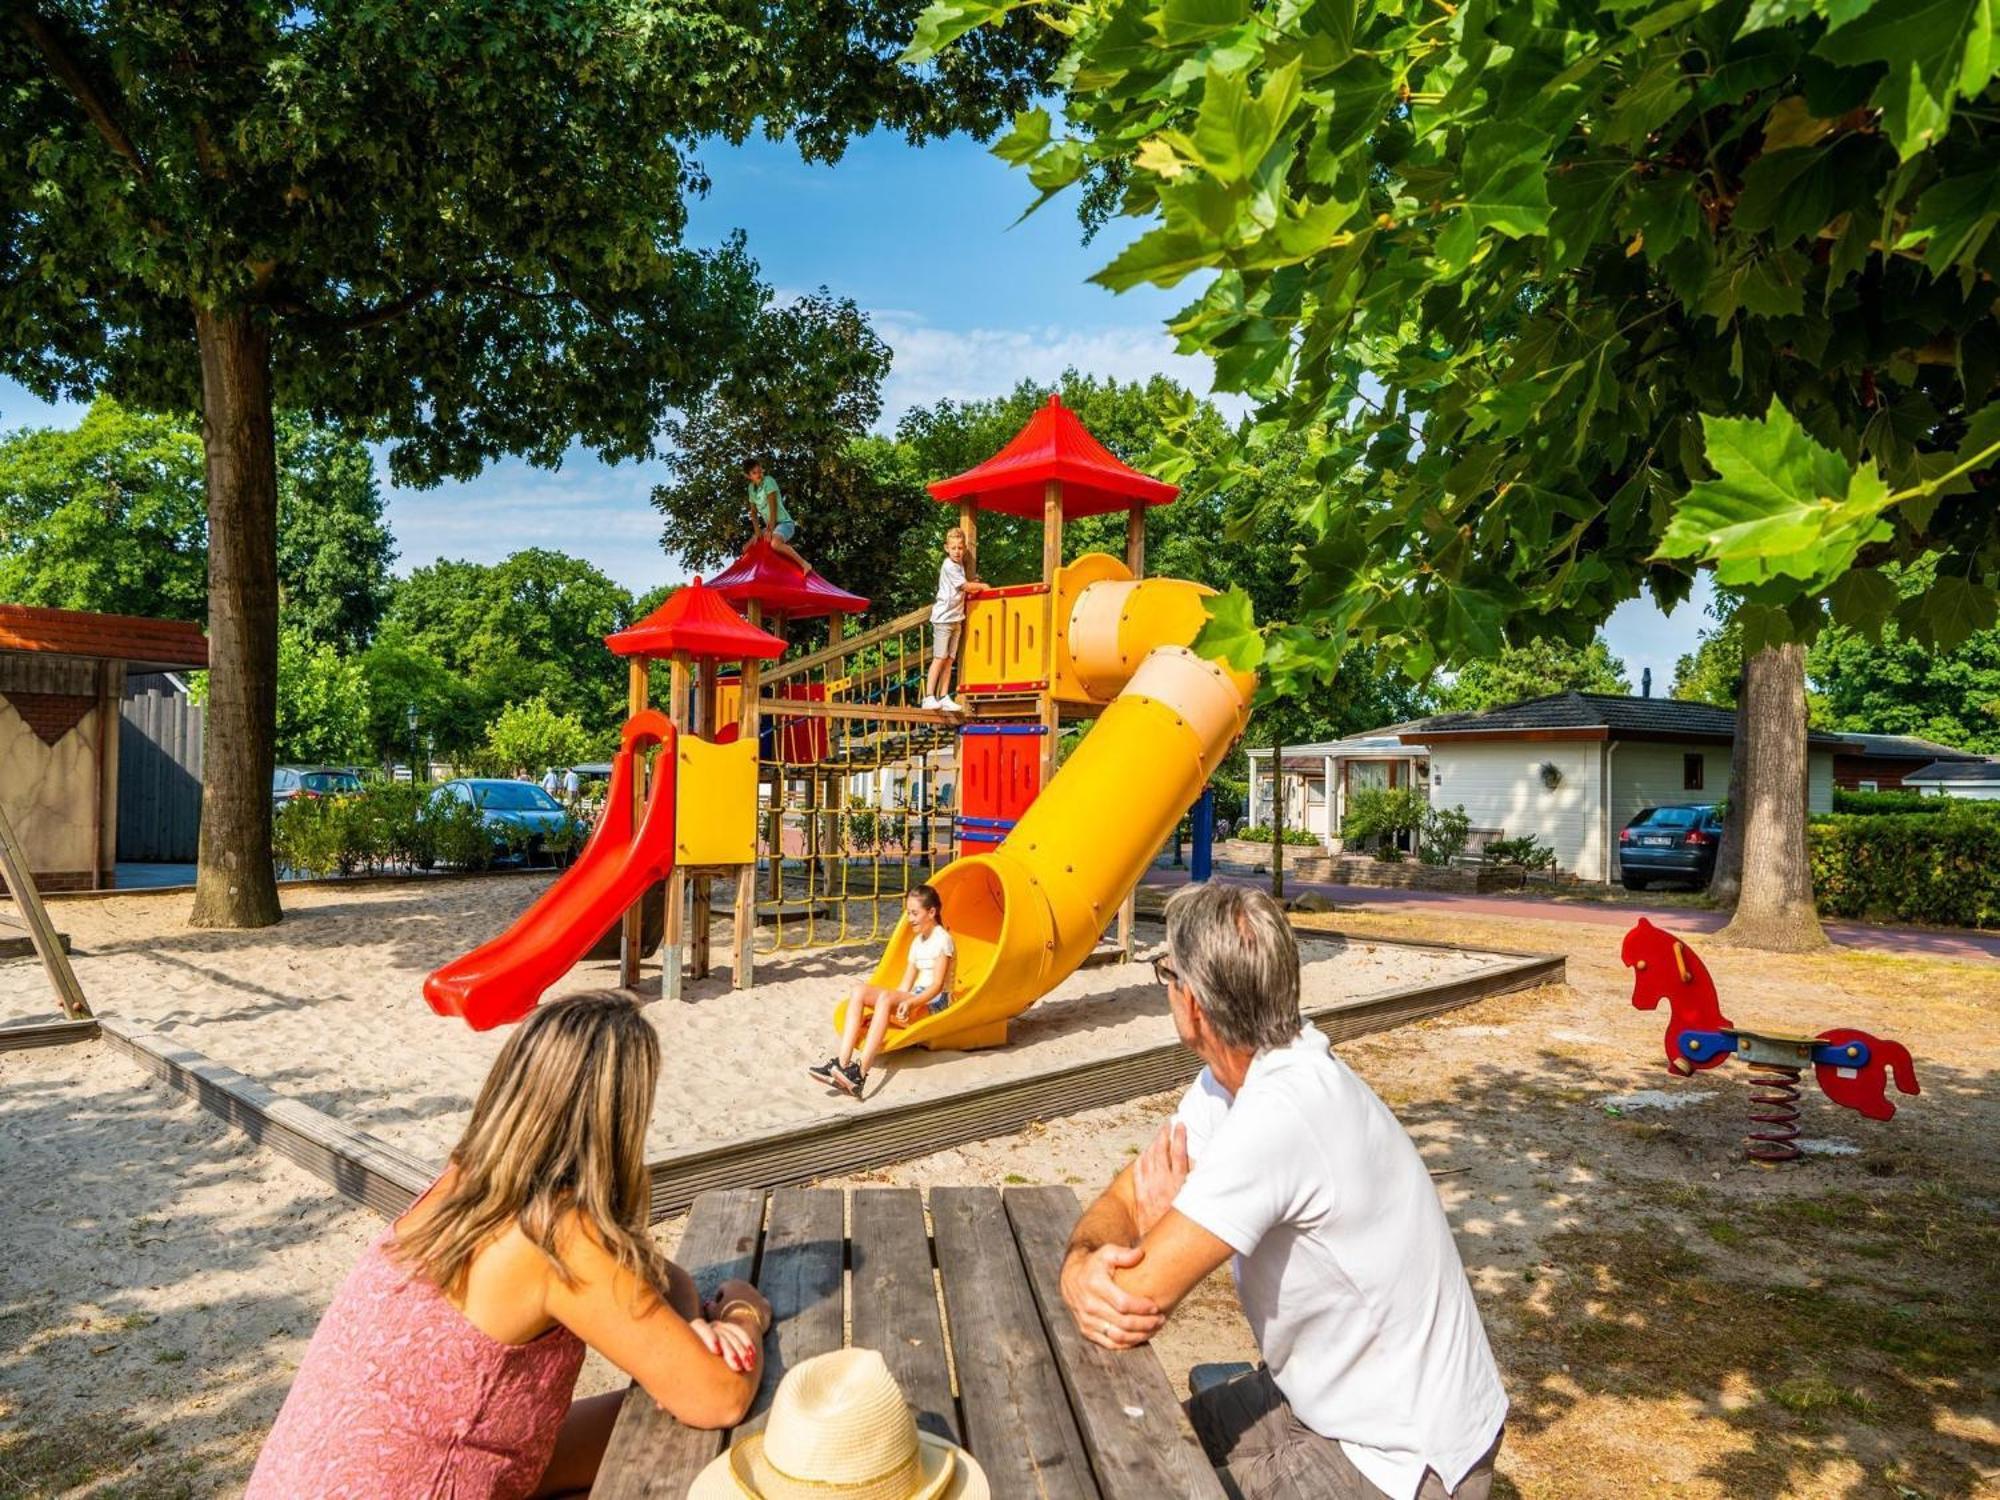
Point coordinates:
[(1055, 445), (696, 621), (761, 575), (156, 645)]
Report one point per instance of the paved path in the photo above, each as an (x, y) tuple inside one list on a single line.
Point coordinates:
[(1926, 942)]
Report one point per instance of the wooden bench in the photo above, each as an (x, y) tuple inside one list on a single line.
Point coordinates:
[(1048, 1415)]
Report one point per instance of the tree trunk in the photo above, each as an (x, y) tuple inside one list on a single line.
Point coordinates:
[(1775, 909), (1725, 885), (235, 885), (1277, 818)]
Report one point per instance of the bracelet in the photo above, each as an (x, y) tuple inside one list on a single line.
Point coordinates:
[(723, 1312)]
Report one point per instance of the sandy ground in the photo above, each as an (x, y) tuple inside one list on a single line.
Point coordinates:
[(328, 1008), (1669, 1319)]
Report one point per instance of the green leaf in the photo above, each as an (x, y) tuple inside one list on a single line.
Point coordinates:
[(1937, 51), (1780, 506), (1470, 622), (1954, 219), (1649, 101), (1863, 598), (945, 21), (1233, 132), (1161, 256), (1947, 613), (1767, 13), (1231, 635), (1029, 135), (1057, 167), (1773, 286), (1182, 22), (1790, 193)]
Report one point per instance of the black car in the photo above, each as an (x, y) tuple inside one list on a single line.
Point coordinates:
[(1670, 843), (289, 782)]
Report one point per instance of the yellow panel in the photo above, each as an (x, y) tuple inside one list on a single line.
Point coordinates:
[(1024, 656), (716, 796), (985, 628), (728, 700)]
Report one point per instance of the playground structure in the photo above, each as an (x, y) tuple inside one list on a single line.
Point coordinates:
[(823, 792), (1852, 1068)]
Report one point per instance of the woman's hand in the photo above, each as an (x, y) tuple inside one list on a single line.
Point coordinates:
[(730, 1342), (733, 1297)]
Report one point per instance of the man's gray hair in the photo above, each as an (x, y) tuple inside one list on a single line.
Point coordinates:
[(1235, 952)]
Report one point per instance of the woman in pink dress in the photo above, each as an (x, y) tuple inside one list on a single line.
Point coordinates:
[(445, 1364)]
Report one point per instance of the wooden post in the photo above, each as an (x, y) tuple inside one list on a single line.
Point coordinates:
[(633, 937), (105, 792), (21, 886), (1052, 542), (743, 964), (704, 710), (836, 629), (673, 935), (968, 522)]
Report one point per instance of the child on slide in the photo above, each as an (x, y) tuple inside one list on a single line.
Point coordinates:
[(926, 990), (767, 510)]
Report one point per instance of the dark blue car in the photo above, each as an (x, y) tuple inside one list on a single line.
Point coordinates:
[(1676, 842), (522, 818)]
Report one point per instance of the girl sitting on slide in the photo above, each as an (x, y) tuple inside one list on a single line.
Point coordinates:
[(445, 1364), (926, 990)]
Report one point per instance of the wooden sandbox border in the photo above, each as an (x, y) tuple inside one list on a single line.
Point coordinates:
[(382, 1177)]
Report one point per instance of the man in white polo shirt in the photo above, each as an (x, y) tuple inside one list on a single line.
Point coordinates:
[(1377, 1378)]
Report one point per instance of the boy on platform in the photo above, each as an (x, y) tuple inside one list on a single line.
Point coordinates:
[(767, 511), (957, 577)]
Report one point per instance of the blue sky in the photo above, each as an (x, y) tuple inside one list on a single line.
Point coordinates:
[(970, 301)]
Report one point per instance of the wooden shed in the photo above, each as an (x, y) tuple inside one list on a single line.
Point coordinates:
[(62, 678)]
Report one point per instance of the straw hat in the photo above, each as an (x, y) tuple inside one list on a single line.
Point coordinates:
[(839, 1429)]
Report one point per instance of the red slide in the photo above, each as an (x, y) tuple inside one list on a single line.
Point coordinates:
[(501, 981)]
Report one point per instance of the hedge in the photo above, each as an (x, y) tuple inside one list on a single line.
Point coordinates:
[(1861, 804), (1941, 868)]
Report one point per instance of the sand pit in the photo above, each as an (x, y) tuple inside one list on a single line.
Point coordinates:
[(327, 1008)]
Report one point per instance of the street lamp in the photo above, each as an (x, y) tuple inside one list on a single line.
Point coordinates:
[(410, 718)]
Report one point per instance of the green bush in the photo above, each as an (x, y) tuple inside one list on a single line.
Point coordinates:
[(1869, 804), (458, 836), (1297, 836), (1446, 832), (1527, 852), (1377, 817), (1941, 868)]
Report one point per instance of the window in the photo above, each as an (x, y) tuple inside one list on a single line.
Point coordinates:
[(1691, 768), (1866, 786)]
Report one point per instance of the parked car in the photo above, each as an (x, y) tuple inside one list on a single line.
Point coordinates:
[(289, 782), (522, 818), (1676, 842)]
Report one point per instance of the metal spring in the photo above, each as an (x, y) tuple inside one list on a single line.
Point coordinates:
[(1774, 1104)]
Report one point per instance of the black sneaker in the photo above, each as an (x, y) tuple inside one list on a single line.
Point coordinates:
[(825, 1071), (850, 1079)]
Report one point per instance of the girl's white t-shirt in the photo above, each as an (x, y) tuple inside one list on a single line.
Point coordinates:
[(928, 953)]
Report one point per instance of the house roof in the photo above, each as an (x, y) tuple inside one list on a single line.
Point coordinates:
[(762, 577), (1956, 770), (149, 645), (1593, 716), (696, 621), (1055, 446), (1905, 747)]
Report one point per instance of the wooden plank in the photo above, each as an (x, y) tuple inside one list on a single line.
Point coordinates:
[(651, 1454), (53, 953), (632, 936), (805, 1250), (360, 1167), (894, 1301), (20, 1036), (1138, 1438), (888, 1133), (853, 645), (1017, 1418), (802, 708)]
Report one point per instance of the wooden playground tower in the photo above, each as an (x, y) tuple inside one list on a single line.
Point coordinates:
[(851, 710)]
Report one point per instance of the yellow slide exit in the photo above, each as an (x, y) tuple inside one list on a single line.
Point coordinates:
[(1025, 916)]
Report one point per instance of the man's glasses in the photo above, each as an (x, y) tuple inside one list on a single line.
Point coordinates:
[(1165, 972)]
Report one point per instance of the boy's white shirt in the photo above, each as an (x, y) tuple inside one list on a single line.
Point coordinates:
[(950, 606)]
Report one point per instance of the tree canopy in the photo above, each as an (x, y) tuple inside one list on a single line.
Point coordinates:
[(1532, 670), (1568, 301), (109, 515)]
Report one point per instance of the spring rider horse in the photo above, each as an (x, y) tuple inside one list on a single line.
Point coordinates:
[(1852, 1068)]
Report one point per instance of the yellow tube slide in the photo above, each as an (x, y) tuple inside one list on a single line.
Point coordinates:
[(1024, 916)]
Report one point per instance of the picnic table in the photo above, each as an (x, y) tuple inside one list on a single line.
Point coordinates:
[(1048, 1415)]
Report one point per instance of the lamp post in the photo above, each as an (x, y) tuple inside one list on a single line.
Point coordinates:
[(416, 747)]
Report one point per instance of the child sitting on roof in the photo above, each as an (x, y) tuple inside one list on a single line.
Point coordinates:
[(767, 510), (925, 991)]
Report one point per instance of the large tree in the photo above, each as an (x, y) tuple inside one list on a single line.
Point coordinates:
[(1539, 667), (109, 515), (450, 226), (1571, 300)]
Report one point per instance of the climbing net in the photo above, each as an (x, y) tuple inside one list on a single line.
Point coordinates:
[(855, 810)]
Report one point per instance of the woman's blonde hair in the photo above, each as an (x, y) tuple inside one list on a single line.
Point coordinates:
[(560, 1128)]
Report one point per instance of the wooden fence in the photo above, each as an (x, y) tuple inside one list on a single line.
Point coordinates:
[(159, 778)]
